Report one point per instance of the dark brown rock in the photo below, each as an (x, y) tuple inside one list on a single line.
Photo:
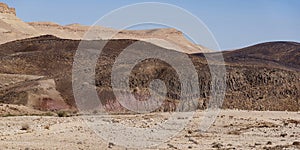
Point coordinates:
[(260, 77)]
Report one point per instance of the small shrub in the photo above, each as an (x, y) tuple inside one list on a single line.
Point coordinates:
[(95, 112), (62, 114), (8, 115), (48, 114)]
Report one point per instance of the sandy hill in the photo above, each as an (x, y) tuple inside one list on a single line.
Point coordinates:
[(13, 28)]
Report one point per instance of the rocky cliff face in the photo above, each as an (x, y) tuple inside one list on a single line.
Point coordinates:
[(13, 28), (264, 85), (7, 10)]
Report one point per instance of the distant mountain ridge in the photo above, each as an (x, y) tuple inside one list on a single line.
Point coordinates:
[(12, 28)]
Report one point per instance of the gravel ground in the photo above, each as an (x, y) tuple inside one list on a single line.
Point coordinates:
[(233, 129)]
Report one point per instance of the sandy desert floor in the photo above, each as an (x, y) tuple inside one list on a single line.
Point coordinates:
[(232, 129)]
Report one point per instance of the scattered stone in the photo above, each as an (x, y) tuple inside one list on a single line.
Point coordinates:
[(115, 121), (234, 132), (296, 143), (25, 127), (194, 141), (269, 143), (182, 118), (296, 122), (172, 146), (110, 145), (283, 134), (47, 127), (217, 145)]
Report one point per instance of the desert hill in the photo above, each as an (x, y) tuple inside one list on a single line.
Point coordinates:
[(36, 62), (285, 54), (264, 85), (13, 28)]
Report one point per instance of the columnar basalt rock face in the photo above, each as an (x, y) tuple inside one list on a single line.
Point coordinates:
[(7, 10), (263, 85)]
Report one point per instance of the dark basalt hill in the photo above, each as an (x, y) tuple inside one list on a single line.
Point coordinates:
[(280, 54), (284, 54), (260, 77)]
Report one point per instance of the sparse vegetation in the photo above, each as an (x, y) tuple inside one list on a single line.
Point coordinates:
[(7, 115), (62, 114)]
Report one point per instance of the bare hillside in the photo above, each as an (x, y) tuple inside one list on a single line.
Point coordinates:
[(13, 28), (264, 85)]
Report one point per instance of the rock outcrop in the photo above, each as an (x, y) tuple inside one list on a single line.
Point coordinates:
[(32, 91), (7, 10), (11, 27)]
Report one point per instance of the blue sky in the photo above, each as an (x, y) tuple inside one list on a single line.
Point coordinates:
[(234, 23)]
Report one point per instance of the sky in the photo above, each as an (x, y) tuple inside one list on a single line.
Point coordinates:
[(234, 23)]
